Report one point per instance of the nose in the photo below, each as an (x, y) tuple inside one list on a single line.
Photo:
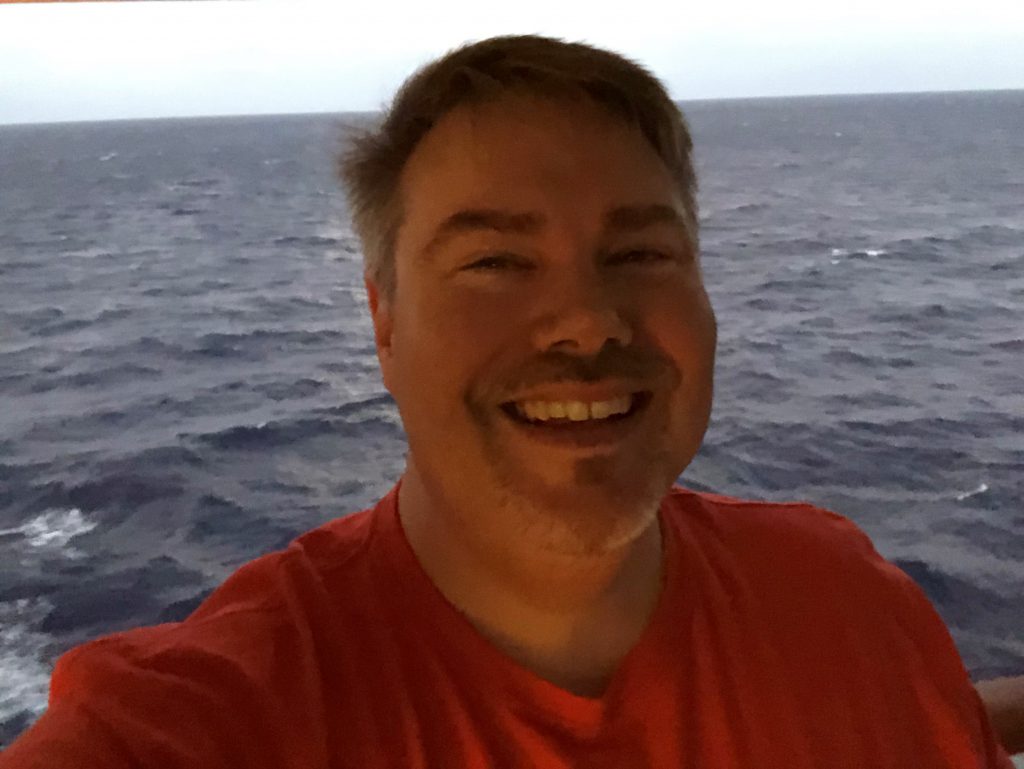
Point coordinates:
[(585, 316)]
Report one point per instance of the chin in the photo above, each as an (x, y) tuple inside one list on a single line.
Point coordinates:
[(590, 518)]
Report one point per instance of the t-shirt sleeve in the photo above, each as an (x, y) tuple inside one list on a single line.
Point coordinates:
[(234, 685), (936, 638), (66, 736), (116, 702), (938, 659)]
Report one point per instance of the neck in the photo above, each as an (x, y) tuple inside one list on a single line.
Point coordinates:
[(569, 618)]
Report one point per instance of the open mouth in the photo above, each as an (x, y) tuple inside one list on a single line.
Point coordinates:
[(638, 401)]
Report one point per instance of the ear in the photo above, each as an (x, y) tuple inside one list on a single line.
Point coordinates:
[(383, 324)]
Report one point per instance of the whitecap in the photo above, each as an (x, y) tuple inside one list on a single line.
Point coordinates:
[(840, 252), (54, 528), (876, 252), (982, 488)]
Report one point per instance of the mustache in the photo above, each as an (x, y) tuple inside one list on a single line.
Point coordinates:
[(613, 362)]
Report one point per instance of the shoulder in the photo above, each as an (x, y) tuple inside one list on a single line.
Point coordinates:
[(787, 545), (797, 564), (745, 522), (269, 583)]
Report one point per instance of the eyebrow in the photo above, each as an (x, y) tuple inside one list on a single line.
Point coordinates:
[(483, 220), (621, 219), (634, 218)]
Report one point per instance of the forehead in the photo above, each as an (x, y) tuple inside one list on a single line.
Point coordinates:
[(532, 153)]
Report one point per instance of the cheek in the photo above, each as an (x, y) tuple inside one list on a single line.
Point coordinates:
[(479, 319), (447, 344), (685, 328)]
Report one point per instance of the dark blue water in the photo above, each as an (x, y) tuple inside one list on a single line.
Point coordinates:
[(188, 377)]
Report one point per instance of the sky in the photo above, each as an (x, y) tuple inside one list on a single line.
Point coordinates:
[(110, 60)]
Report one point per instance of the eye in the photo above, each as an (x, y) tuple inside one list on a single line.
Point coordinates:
[(494, 263), (640, 255)]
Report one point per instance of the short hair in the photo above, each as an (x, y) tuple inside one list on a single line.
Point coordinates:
[(371, 166)]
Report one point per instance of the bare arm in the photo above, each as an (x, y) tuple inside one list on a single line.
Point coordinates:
[(1004, 701)]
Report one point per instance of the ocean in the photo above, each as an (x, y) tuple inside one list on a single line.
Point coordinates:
[(188, 376)]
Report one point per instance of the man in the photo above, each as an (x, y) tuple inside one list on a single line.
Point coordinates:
[(535, 591)]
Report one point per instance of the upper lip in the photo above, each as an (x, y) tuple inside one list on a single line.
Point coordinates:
[(574, 391)]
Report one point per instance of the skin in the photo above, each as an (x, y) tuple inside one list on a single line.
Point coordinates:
[(553, 553), (1004, 701)]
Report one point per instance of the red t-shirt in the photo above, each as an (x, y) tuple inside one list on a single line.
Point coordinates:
[(781, 639)]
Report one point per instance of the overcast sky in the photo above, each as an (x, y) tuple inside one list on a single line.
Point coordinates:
[(98, 61)]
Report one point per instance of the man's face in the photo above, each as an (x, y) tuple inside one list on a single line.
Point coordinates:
[(542, 259)]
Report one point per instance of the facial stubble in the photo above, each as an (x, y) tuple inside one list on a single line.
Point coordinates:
[(600, 507)]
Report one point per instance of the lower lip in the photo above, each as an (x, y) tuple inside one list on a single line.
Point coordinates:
[(589, 434)]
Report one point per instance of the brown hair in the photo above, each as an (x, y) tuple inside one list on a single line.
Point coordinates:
[(370, 168)]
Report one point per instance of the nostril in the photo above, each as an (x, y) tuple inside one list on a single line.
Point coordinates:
[(587, 332)]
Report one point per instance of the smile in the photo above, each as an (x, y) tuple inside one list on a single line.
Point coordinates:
[(568, 412), (577, 429)]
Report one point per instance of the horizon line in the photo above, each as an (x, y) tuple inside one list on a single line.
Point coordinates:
[(324, 113)]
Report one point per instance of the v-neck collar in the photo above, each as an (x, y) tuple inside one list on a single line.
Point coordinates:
[(452, 632)]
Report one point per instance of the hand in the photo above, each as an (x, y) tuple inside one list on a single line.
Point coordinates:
[(1004, 701)]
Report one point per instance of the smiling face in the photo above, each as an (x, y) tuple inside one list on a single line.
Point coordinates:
[(542, 260)]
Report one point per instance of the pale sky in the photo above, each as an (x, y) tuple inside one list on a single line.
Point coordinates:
[(101, 61)]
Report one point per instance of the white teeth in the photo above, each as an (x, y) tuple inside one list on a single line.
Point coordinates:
[(577, 411)]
